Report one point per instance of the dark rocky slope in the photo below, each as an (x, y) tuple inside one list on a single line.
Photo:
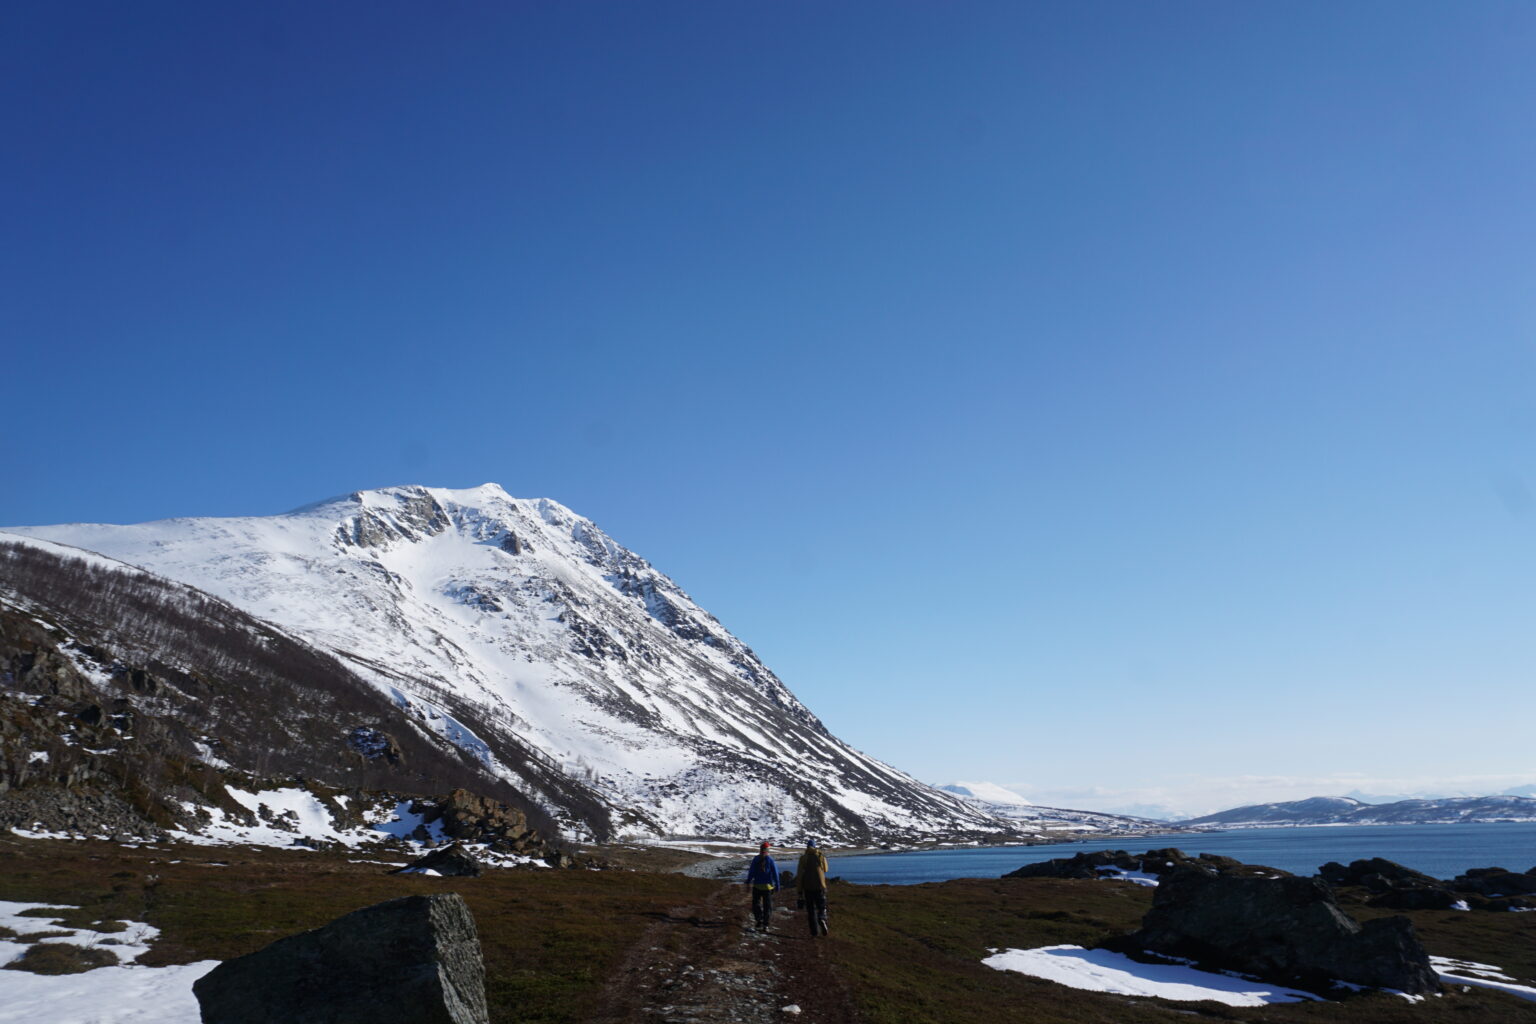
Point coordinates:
[(128, 702)]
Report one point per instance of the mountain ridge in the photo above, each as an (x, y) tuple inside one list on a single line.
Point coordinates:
[(1349, 811), (496, 620)]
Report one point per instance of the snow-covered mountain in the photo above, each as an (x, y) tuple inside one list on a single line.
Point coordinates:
[(527, 637), (1341, 810), (986, 792), (1045, 822)]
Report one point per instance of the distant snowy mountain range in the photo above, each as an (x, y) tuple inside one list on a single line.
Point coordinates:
[(1341, 810), (543, 654), (1392, 798), (1043, 822)]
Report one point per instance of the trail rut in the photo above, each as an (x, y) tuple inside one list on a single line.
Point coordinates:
[(706, 963)]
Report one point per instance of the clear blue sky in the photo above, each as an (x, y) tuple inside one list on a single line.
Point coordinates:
[(1106, 399)]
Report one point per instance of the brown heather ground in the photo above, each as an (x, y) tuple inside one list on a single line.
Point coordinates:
[(632, 945)]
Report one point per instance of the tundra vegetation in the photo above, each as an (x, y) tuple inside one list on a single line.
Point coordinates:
[(558, 942)]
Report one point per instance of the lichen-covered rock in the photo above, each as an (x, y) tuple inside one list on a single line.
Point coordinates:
[(409, 961)]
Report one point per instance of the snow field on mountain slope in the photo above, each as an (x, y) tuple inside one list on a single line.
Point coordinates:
[(290, 814), (296, 578)]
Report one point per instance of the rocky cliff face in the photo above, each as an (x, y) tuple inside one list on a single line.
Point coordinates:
[(551, 657)]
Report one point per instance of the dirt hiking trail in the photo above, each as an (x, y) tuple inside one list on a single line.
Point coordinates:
[(707, 963)]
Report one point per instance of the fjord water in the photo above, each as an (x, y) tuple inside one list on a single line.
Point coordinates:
[(1443, 851)]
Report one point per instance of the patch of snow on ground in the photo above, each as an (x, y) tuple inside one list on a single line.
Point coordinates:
[(208, 757), (308, 814), (1121, 875), (1099, 970), (36, 833), (125, 994), (107, 995), (127, 945), (297, 814), (1468, 972)]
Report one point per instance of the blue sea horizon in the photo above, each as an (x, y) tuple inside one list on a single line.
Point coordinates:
[(1443, 851)]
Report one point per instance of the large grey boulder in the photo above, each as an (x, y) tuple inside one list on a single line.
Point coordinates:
[(1284, 929), (409, 961)]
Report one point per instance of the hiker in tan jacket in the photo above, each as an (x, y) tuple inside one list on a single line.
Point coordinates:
[(811, 880)]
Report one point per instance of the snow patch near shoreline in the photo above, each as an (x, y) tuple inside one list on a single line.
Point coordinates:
[(1469, 972), (1114, 874), (1099, 970)]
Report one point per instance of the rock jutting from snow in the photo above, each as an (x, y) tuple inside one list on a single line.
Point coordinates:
[(1283, 929), (409, 961), (450, 862)]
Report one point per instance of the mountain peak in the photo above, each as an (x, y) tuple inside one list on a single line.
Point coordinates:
[(502, 624)]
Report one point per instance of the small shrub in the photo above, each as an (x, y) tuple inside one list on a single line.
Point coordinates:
[(61, 958)]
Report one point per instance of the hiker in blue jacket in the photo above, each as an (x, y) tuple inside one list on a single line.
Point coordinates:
[(763, 877)]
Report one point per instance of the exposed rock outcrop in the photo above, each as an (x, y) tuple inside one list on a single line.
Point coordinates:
[(470, 817), (1376, 874), (1108, 863), (1402, 888), (409, 961), (1496, 882), (1284, 929), (1392, 884)]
